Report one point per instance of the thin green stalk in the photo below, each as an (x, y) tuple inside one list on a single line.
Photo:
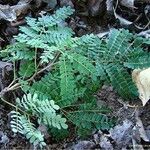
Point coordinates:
[(12, 105)]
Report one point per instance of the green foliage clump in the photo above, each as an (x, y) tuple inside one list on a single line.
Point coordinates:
[(72, 69), (21, 124)]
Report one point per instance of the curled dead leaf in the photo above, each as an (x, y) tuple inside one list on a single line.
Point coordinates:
[(142, 81)]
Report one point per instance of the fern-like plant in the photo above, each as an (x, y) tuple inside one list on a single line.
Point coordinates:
[(59, 74), (114, 57), (21, 124)]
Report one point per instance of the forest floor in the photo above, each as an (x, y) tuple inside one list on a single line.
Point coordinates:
[(91, 16)]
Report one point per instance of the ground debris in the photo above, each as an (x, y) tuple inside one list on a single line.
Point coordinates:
[(96, 7), (142, 80), (128, 3), (83, 145), (5, 72), (3, 138), (10, 13), (66, 3), (121, 134)]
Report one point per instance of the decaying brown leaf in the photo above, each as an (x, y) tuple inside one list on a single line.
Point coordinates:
[(136, 139), (122, 133), (5, 68), (128, 3), (142, 81), (140, 127), (145, 34), (96, 7), (109, 4), (10, 13)]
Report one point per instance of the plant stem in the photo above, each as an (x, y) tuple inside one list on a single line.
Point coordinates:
[(11, 105), (17, 85)]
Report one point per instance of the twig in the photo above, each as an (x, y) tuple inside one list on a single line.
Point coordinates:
[(17, 85), (12, 105)]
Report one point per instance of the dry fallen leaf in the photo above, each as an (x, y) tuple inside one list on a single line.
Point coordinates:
[(102, 34), (122, 133), (136, 139), (140, 127), (10, 13), (128, 3), (96, 7), (142, 81), (105, 143), (145, 34), (81, 145), (109, 5)]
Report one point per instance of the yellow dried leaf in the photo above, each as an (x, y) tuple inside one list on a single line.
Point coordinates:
[(142, 81)]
